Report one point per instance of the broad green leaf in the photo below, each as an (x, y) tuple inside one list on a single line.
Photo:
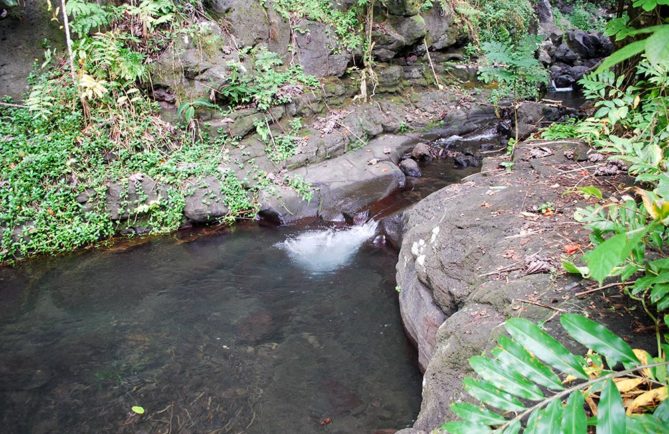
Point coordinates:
[(662, 411), (657, 46), (574, 420), (516, 359), (628, 51), (597, 337), (544, 346), (611, 253), (490, 395), (465, 427), (611, 417), (646, 424), (550, 419), (591, 191), (505, 380), (514, 428), (572, 268), (475, 414), (531, 427)]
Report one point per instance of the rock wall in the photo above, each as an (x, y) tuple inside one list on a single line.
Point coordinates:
[(476, 253), (194, 66)]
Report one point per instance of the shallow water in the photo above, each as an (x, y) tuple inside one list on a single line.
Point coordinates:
[(226, 333)]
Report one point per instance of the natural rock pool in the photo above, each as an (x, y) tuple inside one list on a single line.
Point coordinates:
[(226, 333)]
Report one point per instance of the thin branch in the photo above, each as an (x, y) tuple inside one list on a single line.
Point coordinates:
[(7, 104), (601, 288), (535, 303)]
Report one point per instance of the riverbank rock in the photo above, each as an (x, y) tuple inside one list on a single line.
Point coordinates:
[(410, 168), (205, 203), (466, 264)]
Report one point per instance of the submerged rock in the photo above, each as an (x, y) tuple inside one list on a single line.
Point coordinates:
[(422, 152), (410, 168)]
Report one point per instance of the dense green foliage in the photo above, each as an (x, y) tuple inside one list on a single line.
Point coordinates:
[(51, 157), (514, 68), (77, 134), (534, 384)]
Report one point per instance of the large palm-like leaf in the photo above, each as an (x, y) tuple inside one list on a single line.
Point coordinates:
[(520, 388)]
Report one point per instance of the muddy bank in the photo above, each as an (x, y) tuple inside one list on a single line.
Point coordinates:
[(478, 252)]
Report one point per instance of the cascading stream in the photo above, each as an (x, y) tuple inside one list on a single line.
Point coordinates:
[(327, 250)]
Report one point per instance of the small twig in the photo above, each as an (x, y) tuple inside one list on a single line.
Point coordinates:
[(7, 104), (508, 269), (429, 58), (601, 288), (557, 309), (578, 169)]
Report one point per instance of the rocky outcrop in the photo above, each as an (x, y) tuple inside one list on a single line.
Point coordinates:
[(572, 55), (205, 201), (472, 255), (318, 51)]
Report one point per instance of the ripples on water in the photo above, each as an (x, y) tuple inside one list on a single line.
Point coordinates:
[(327, 250)]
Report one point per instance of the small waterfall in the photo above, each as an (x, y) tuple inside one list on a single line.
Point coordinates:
[(329, 249)]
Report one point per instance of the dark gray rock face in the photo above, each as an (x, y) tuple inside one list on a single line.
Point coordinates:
[(532, 115), (403, 7), (125, 199), (316, 49), (441, 29), (573, 55), (206, 201), (397, 33), (544, 11), (446, 304), (422, 152), (589, 45), (410, 168)]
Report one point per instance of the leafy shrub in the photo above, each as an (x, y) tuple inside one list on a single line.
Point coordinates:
[(514, 68), (631, 125), (268, 85), (534, 384)]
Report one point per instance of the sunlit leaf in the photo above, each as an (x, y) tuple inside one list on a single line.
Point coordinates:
[(475, 414), (490, 395), (505, 380), (574, 420), (516, 359), (597, 337), (657, 46), (611, 413), (544, 346), (646, 424), (465, 427), (550, 419), (137, 409)]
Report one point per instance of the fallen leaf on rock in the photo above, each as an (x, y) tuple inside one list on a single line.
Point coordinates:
[(540, 152), (326, 421), (387, 150), (570, 249), (373, 162), (538, 265)]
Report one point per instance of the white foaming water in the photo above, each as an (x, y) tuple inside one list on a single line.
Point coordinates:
[(329, 249)]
